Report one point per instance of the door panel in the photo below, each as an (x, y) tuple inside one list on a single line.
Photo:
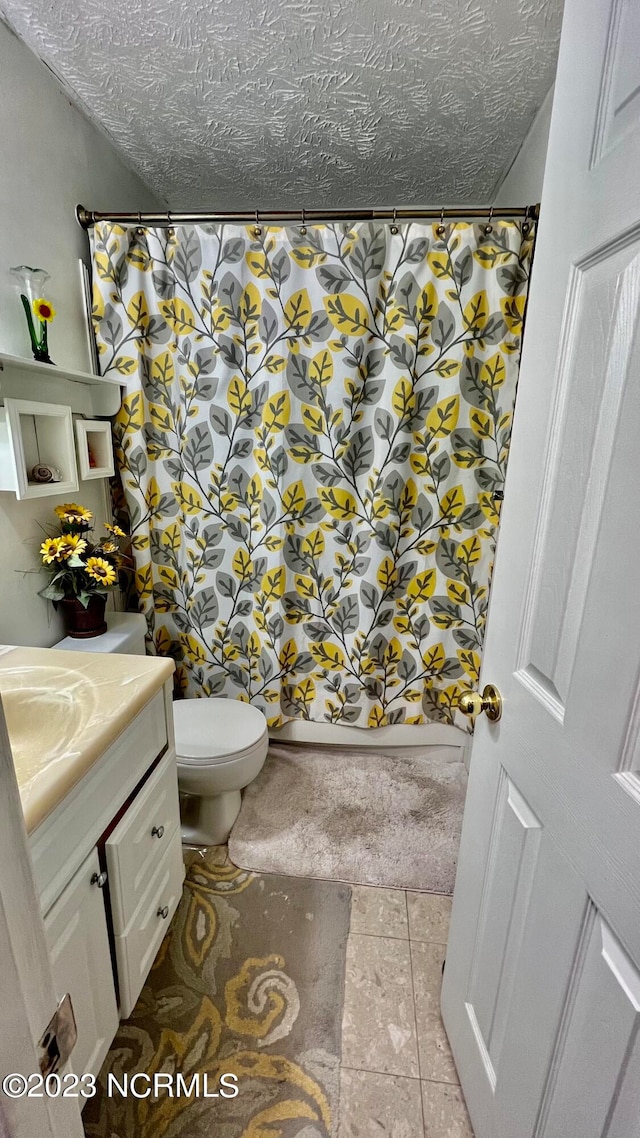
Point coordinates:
[(536, 1010), (596, 1086), (507, 1043), (598, 356), (619, 89), (512, 859)]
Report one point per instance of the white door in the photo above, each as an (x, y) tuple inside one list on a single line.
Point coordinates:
[(78, 942), (541, 993), (27, 994)]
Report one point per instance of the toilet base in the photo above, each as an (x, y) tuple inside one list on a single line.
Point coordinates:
[(207, 820)]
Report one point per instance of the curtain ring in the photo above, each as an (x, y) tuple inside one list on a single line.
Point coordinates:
[(257, 231), (394, 228), (170, 230), (440, 229), (303, 228), (488, 227)]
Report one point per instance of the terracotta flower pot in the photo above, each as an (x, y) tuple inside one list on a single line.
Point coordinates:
[(82, 623)]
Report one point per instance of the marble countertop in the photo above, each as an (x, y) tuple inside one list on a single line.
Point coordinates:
[(64, 710)]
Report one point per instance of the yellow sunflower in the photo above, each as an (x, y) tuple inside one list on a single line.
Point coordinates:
[(71, 512), (43, 309), (101, 571), (49, 550), (69, 544), (110, 547), (115, 530)]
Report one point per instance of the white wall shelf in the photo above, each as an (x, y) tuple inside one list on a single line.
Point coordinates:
[(95, 448), (34, 433), (86, 394)]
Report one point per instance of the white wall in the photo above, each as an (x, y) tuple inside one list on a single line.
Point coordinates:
[(51, 158), (522, 184)]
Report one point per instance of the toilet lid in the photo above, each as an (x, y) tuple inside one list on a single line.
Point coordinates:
[(214, 730)]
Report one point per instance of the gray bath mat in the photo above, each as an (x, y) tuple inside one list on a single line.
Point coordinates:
[(365, 817)]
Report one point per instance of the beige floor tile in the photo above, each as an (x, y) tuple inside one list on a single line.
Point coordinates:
[(445, 1113), (429, 916), (379, 912), (436, 1060), (377, 1106), (378, 1026)]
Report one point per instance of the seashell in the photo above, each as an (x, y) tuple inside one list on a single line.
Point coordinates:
[(43, 473)]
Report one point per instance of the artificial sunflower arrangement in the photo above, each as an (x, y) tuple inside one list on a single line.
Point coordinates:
[(80, 567)]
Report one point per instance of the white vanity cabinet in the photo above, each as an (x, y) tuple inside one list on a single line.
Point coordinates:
[(109, 869), (78, 941)]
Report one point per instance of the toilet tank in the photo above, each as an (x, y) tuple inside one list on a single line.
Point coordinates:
[(125, 634)]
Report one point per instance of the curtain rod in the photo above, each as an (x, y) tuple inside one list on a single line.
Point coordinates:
[(86, 218)]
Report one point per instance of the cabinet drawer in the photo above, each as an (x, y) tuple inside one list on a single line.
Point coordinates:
[(137, 947), (140, 839)]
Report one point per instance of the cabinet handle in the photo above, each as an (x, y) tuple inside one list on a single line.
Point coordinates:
[(163, 912), (99, 879), (157, 831)]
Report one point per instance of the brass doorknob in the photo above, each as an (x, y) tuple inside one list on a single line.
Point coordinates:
[(471, 703)]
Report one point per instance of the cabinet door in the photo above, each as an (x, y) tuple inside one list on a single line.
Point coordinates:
[(137, 948), (78, 941), (140, 840)]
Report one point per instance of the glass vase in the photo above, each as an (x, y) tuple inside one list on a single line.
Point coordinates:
[(31, 284)]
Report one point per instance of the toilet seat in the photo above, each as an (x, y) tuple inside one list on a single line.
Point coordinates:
[(213, 732), (218, 760)]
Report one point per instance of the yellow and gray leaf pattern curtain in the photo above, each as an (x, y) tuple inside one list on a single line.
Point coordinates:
[(312, 448)]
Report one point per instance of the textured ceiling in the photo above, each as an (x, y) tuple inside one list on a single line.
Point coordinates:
[(285, 103)]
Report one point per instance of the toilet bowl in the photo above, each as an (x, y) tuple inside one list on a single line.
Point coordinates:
[(221, 746)]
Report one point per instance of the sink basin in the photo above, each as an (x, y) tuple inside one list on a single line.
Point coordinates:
[(64, 710), (46, 709)]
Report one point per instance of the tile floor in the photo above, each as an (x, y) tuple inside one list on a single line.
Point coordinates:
[(398, 1076)]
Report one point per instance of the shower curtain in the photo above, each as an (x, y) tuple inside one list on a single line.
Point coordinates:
[(312, 449)]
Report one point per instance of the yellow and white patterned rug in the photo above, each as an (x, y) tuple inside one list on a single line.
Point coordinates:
[(248, 983)]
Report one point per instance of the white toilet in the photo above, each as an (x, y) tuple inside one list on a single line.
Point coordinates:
[(221, 744)]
